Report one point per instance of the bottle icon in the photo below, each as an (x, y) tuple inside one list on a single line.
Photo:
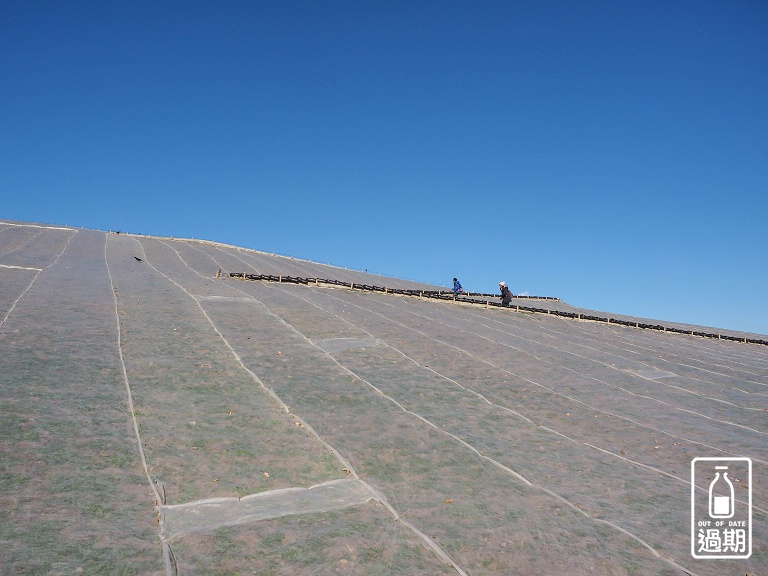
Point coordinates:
[(721, 495)]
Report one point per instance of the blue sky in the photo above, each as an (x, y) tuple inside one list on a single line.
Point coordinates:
[(614, 154)]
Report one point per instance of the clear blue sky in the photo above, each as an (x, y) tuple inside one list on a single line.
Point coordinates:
[(614, 154)]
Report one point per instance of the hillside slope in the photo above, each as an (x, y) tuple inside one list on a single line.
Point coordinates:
[(158, 419)]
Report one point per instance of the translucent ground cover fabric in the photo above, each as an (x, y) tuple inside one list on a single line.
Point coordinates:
[(157, 419)]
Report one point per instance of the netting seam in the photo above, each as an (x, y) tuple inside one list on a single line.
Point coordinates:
[(20, 246), (689, 345), (15, 302), (667, 474), (168, 557), (640, 341), (238, 258), (625, 358), (643, 341), (607, 384), (603, 382), (191, 245), (614, 367)]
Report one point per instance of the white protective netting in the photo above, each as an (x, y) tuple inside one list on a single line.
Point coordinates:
[(290, 429)]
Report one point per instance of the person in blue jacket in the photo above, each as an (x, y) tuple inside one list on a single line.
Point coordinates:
[(457, 289)]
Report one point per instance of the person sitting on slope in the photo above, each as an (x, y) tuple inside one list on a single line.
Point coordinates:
[(506, 295)]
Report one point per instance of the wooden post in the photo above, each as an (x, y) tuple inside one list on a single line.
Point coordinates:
[(486, 303), (280, 278)]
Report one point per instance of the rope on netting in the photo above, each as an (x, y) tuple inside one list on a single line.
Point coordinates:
[(638, 373), (168, 556), (171, 559), (20, 246), (191, 245), (450, 296), (39, 271)]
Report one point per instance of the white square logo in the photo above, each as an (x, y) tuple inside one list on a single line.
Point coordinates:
[(721, 508)]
